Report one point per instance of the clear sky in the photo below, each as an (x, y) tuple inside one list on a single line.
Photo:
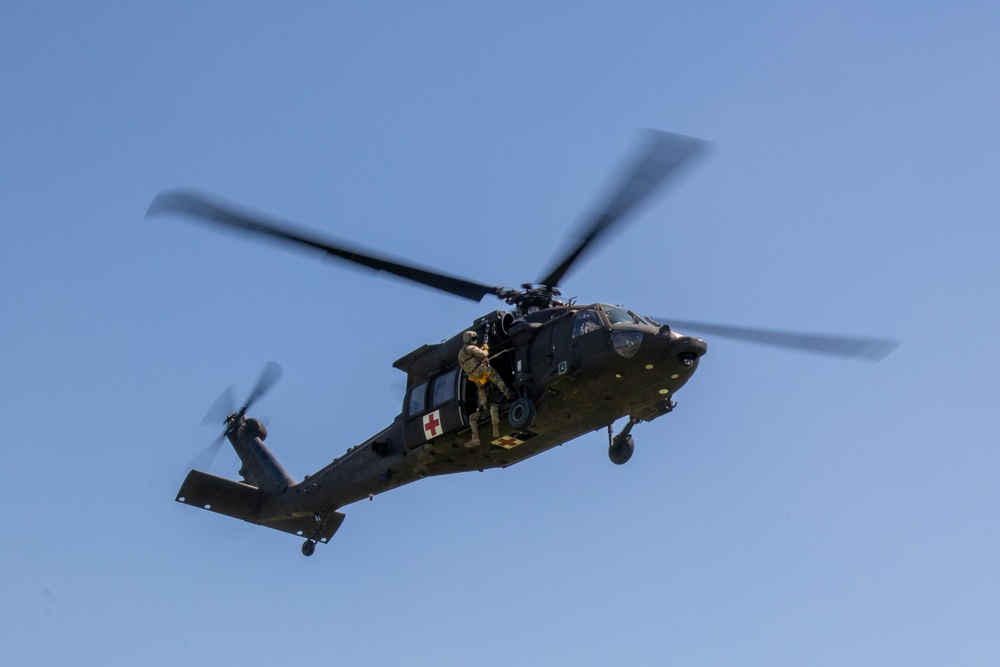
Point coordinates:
[(793, 510)]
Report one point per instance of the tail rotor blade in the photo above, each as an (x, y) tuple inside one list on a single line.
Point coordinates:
[(204, 460), (224, 405), (272, 373)]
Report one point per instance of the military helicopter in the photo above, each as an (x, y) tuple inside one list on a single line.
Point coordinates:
[(570, 368)]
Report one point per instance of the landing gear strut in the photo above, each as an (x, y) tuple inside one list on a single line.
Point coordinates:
[(308, 547), (621, 446)]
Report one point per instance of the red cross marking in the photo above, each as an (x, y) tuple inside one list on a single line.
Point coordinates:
[(432, 424)]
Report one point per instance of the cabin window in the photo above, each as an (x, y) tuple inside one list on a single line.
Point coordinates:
[(418, 399), (586, 321), (444, 388)]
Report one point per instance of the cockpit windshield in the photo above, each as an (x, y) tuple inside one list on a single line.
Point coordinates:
[(619, 315)]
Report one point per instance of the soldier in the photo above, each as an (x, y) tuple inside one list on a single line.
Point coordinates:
[(475, 361)]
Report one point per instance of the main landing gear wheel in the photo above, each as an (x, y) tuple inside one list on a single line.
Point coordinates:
[(522, 413), (308, 547), (621, 446), (621, 449)]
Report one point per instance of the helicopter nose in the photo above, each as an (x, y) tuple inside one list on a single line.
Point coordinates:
[(688, 349), (692, 344), (696, 345)]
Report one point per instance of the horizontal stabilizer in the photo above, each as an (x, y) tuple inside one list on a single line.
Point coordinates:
[(308, 526), (243, 501), (221, 495)]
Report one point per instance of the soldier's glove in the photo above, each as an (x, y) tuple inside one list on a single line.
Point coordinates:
[(486, 348)]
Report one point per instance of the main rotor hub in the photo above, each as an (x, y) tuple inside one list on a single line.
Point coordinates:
[(531, 298)]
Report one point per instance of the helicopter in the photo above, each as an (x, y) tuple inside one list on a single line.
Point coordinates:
[(568, 369)]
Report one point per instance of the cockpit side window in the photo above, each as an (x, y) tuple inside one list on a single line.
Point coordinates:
[(586, 321), (418, 399)]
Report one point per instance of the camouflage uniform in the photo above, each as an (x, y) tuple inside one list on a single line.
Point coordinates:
[(475, 361)]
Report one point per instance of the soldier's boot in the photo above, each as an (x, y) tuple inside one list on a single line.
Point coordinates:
[(474, 429), (495, 418)]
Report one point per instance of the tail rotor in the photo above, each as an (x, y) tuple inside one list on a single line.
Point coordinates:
[(224, 411)]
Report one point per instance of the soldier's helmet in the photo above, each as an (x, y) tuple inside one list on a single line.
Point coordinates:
[(470, 338)]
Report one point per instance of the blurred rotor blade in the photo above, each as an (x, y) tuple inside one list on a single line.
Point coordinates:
[(204, 460), (200, 207), (223, 406), (871, 349), (663, 157), (272, 373)]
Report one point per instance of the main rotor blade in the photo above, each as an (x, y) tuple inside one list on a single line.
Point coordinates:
[(663, 157), (871, 349), (200, 207)]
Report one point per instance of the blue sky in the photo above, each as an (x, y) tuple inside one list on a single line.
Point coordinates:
[(792, 510)]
